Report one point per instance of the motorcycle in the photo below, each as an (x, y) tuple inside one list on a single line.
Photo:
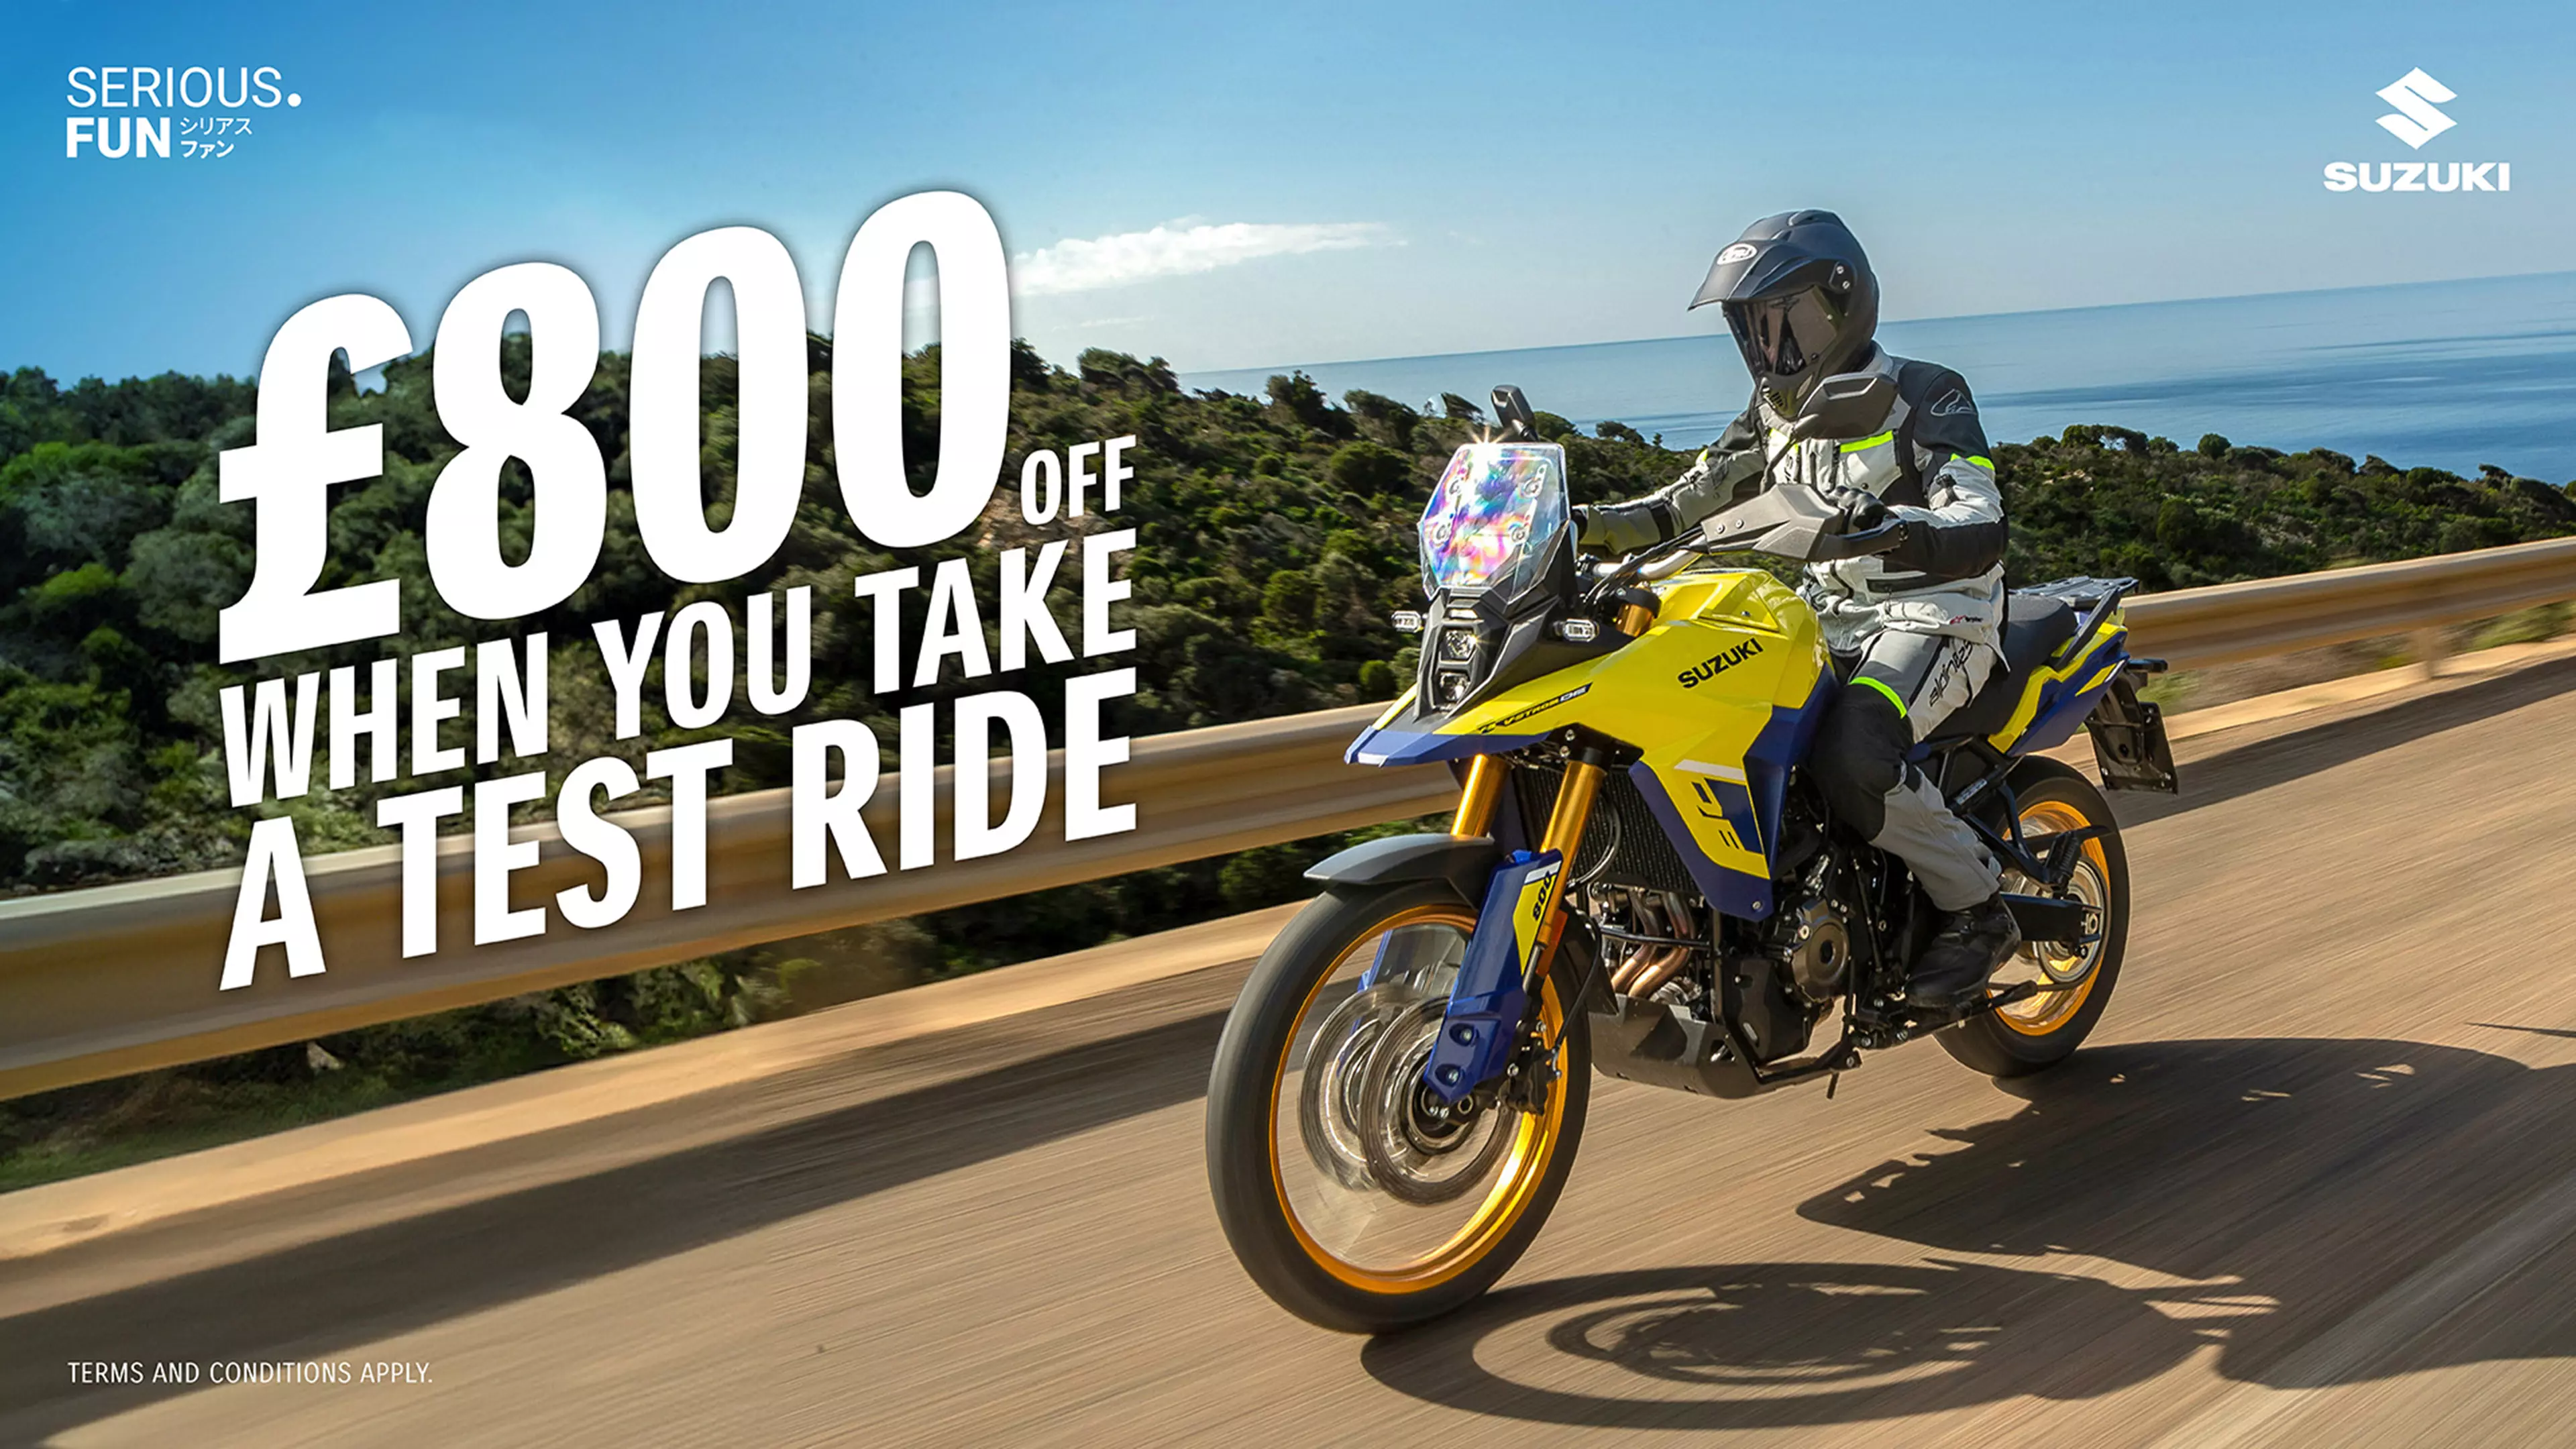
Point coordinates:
[(1639, 879)]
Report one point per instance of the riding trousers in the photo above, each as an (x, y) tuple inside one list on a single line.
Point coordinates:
[(1898, 688)]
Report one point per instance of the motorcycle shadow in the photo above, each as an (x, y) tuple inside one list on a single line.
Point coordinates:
[(2149, 1200)]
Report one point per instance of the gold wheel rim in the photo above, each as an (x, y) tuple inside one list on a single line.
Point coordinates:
[(1516, 1178), (2052, 1008)]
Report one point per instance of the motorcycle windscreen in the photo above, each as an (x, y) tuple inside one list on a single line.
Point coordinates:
[(1491, 519)]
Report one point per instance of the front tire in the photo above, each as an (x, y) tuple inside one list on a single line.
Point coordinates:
[(1309, 1225), (2045, 1029)]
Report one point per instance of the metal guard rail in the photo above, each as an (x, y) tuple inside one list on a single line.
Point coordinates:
[(96, 983)]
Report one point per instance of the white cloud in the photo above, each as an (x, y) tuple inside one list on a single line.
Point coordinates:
[(1176, 249)]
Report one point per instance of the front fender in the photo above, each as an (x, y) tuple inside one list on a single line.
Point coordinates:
[(1465, 862)]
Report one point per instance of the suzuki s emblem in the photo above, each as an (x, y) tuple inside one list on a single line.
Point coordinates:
[(2416, 121)]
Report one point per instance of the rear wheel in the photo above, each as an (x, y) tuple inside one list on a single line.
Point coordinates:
[(1352, 1197), (2074, 981)]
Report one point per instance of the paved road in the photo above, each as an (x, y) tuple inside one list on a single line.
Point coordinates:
[(2315, 1182)]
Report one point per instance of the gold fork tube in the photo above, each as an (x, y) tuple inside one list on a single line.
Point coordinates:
[(1483, 793), (1565, 826), (1565, 835), (1573, 810)]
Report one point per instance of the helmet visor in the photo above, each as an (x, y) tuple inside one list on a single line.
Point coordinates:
[(1782, 336)]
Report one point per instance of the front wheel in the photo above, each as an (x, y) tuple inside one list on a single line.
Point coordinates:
[(2074, 982), (1352, 1196)]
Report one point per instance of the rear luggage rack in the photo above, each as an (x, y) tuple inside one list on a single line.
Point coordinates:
[(2092, 599)]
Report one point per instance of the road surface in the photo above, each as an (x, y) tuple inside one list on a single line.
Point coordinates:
[(2314, 1182)]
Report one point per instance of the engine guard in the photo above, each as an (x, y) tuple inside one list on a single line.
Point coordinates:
[(1665, 1046)]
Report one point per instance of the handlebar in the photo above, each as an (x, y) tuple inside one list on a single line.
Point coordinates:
[(1789, 521), (1885, 537)]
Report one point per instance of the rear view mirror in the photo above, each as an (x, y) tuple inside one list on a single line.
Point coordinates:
[(1845, 406), (1512, 410)]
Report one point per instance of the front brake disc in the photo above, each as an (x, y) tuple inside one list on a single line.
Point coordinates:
[(1400, 1122), (1329, 1114)]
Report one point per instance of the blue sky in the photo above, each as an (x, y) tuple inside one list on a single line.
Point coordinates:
[(1348, 180)]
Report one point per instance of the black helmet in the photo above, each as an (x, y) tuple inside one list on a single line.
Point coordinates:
[(1800, 298)]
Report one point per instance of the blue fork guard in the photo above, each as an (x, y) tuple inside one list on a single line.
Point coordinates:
[(1490, 999)]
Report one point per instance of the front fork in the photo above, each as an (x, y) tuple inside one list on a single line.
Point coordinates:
[(1523, 918), (1483, 795)]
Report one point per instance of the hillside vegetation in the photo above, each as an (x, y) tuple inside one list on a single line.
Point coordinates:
[(1276, 536)]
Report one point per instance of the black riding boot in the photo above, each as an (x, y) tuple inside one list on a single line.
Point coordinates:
[(1953, 969)]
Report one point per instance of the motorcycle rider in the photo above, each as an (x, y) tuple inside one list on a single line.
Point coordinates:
[(1916, 631)]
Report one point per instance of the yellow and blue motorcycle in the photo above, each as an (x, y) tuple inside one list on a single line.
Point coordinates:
[(1639, 879)]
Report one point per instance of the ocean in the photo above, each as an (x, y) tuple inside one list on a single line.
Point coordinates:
[(2444, 374)]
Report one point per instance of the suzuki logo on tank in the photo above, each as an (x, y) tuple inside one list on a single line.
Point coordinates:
[(2417, 120)]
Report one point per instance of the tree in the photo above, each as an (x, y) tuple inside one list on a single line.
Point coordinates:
[(1298, 395), (1370, 469)]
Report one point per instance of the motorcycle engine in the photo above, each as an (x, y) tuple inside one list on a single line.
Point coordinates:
[(1773, 983), (1777, 995), (1813, 945)]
